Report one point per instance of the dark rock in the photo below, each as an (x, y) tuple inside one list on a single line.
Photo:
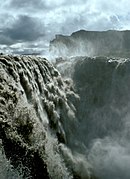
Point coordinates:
[(92, 43)]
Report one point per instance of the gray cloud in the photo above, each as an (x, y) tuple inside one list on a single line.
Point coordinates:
[(36, 5), (5, 39), (30, 4), (24, 29)]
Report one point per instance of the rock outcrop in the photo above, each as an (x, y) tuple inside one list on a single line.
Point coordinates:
[(92, 43)]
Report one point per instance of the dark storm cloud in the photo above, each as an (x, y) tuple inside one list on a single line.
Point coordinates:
[(23, 29)]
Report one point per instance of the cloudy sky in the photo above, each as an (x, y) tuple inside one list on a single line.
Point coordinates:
[(27, 26)]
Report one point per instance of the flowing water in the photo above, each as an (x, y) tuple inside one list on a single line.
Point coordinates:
[(73, 125)]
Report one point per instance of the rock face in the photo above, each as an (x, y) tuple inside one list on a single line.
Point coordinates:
[(103, 86), (103, 113), (36, 113), (92, 43)]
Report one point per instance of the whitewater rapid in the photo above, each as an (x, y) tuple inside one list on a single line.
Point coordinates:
[(67, 121)]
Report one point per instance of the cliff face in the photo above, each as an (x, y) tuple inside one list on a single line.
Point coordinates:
[(103, 86), (103, 112), (92, 43)]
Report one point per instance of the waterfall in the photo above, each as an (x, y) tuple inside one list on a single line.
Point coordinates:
[(64, 122)]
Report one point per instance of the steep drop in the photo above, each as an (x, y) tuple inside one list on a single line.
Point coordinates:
[(35, 116), (103, 113), (92, 43), (72, 126)]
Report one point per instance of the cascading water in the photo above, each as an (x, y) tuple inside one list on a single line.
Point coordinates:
[(34, 114), (54, 127)]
